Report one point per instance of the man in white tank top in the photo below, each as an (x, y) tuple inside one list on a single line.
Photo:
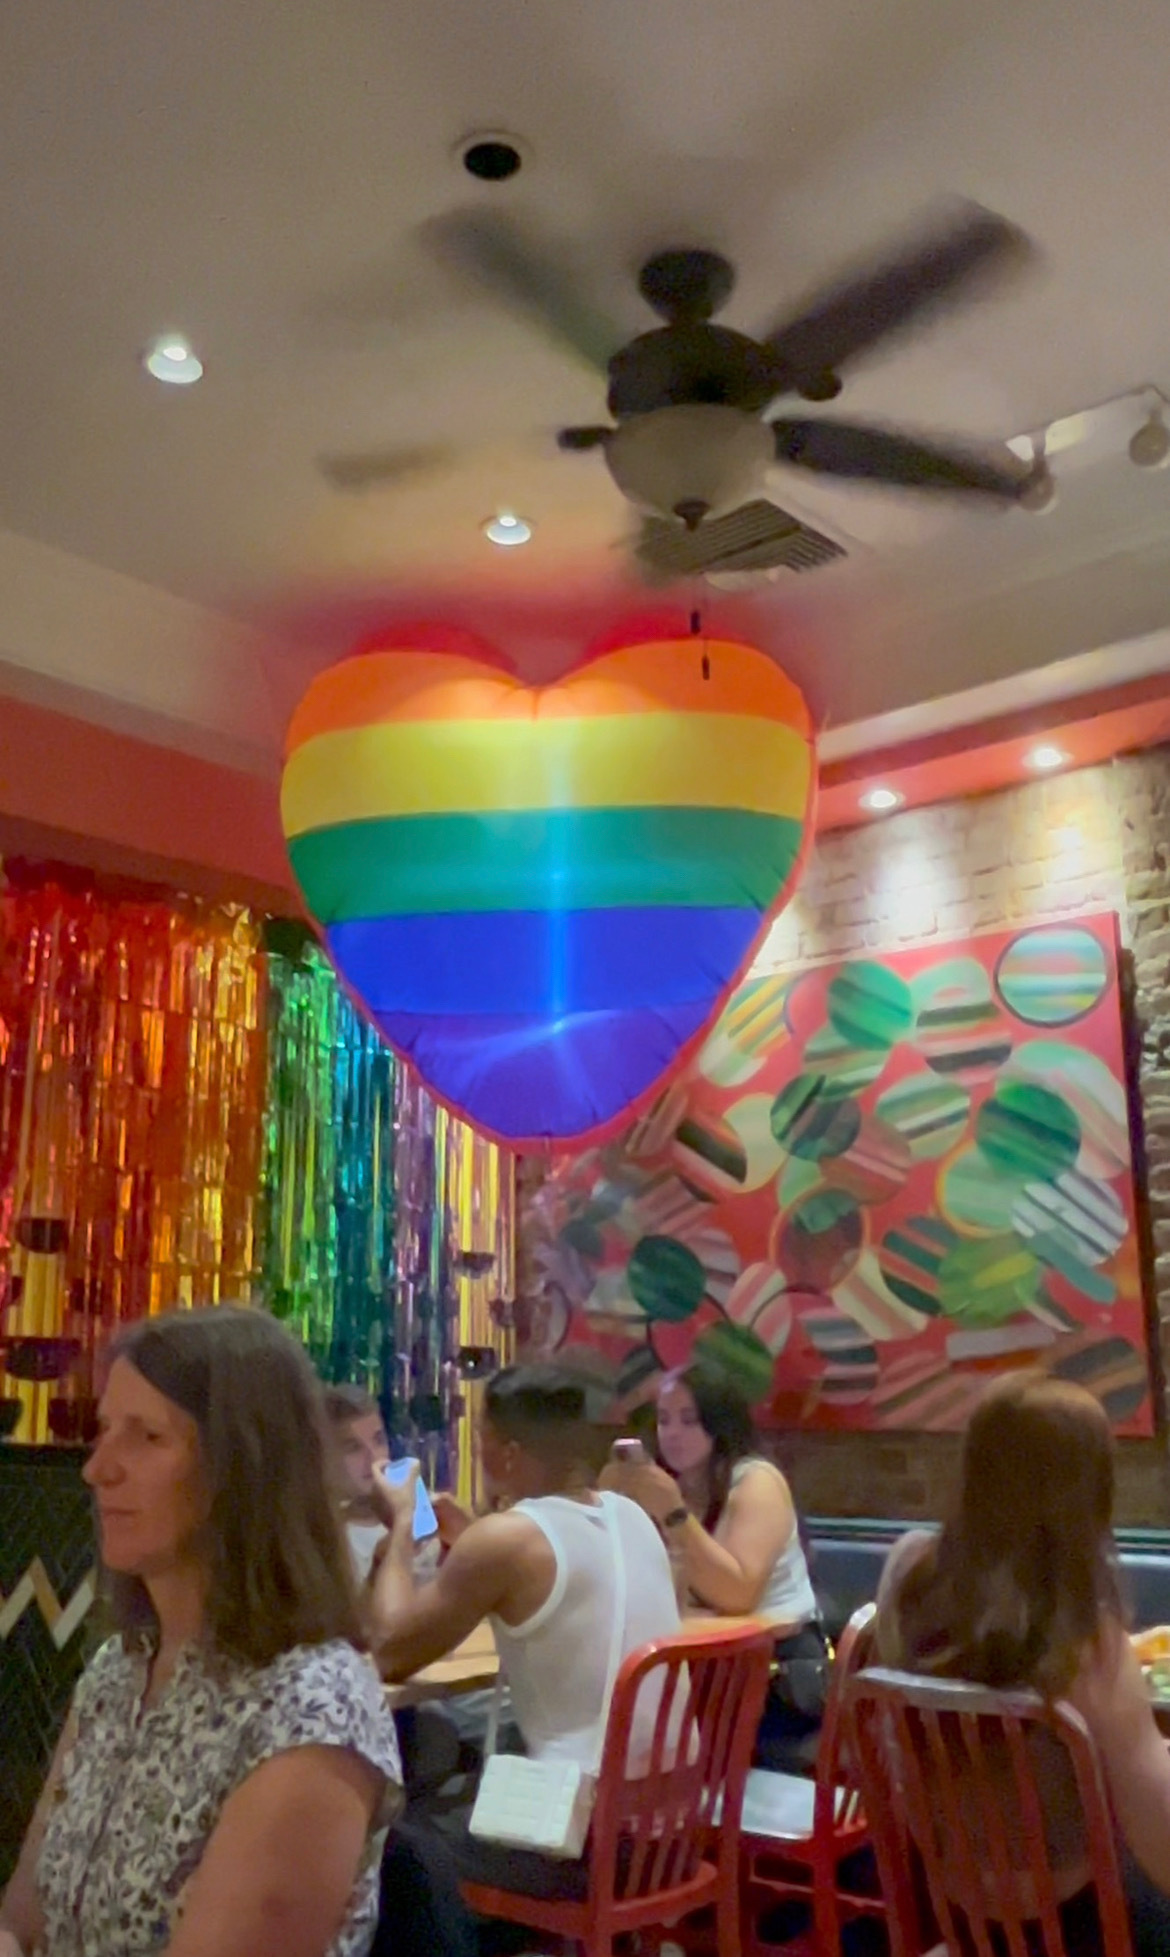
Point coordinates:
[(544, 1572)]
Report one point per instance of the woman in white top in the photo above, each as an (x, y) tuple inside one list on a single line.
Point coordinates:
[(729, 1514)]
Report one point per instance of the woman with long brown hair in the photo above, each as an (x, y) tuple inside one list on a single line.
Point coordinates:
[(1021, 1589), (727, 1512), (228, 1769)]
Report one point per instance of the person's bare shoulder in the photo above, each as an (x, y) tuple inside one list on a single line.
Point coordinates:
[(517, 1548)]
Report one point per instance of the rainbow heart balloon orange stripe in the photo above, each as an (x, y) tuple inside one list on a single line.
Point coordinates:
[(541, 894)]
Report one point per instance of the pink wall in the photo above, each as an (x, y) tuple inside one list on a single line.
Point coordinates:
[(81, 792)]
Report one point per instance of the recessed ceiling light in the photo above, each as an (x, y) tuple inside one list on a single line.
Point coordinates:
[(879, 801), (507, 530), (1044, 757), (170, 359)]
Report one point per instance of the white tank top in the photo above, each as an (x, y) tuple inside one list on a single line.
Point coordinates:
[(556, 1662), (788, 1596)]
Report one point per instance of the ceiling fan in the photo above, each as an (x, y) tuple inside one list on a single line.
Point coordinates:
[(692, 431)]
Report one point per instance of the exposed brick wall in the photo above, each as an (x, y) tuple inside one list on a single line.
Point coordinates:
[(1095, 840)]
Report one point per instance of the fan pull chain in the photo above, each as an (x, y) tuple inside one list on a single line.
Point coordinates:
[(697, 633)]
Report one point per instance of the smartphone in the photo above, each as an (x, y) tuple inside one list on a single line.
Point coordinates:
[(630, 1451), (426, 1522)]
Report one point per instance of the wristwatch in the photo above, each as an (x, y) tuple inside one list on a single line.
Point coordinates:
[(676, 1516)]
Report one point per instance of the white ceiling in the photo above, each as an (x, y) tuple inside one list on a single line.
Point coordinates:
[(254, 173)]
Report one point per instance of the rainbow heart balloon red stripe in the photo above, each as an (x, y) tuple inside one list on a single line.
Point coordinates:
[(541, 895)]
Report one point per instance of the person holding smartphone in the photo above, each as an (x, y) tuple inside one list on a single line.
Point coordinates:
[(361, 1453), (544, 1572), (730, 1525), (435, 1746)]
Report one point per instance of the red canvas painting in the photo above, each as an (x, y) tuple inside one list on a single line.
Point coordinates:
[(879, 1183)]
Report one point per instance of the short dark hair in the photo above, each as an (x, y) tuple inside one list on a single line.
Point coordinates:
[(278, 1569), (346, 1402), (540, 1408)]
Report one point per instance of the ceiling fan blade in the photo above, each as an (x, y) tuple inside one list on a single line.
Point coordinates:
[(854, 315), (577, 440), (836, 448), (487, 248), (382, 468)]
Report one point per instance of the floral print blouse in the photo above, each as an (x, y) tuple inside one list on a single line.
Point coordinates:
[(142, 1788)]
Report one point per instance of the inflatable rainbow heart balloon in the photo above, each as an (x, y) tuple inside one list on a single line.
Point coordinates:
[(541, 895)]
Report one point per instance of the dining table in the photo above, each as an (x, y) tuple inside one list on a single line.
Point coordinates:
[(474, 1664)]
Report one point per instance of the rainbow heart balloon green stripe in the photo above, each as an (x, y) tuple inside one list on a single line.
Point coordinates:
[(541, 896)]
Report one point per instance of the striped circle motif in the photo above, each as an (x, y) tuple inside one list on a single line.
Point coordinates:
[(740, 1355), (870, 1006), (1028, 1131), (666, 1278), (810, 1123), (1052, 976)]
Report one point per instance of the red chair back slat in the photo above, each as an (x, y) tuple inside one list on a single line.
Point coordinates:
[(679, 1743), (837, 1803), (948, 1774)]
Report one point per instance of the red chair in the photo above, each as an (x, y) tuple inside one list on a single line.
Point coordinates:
[(653, 1858), (797, 1831), (948, 1774)]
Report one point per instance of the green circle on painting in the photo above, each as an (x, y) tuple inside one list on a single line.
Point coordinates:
[(1053, 975), (910, 1257), (870, 1006), (844, 1069), (929, 1114), (1093, 1092), (986, 1281), (974, 1194), (1028, 1132), (666, 1279), (811, 1124), (737, 1353)]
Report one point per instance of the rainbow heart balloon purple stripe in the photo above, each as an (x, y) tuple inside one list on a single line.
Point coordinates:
[(542, 895)]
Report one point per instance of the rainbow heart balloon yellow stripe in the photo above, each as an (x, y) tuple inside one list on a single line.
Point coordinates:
[(541, 895)]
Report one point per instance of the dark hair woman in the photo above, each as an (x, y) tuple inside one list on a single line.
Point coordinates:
[(228, 1768), (1020, 1588), (728, 1514)]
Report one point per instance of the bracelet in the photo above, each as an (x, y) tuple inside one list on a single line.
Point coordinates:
[(676, 1516)]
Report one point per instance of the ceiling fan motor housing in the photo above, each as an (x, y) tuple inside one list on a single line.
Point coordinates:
[(690, 463)]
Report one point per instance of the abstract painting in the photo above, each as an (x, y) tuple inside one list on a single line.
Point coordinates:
[(878, 1183)]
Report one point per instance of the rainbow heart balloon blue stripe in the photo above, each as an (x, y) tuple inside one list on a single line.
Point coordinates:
[(541, 896)]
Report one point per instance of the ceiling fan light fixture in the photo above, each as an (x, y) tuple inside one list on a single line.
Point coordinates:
[(691, 462)]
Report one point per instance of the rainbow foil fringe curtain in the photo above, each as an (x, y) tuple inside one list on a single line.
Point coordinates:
[(191, 1112)]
